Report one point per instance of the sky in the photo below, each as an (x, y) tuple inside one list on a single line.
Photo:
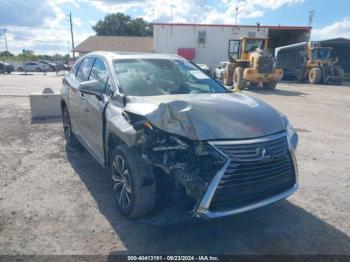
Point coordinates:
[(43, 25)]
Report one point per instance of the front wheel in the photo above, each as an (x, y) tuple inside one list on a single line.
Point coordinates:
[(315, 75), (71, 140), (340, 73), (228, 74), (132, 181), (299, 75), (238, 82)]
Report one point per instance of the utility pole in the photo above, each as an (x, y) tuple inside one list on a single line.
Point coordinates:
[(171, 19), (236, 15), (5, 40), (71, 32), (311, 16)]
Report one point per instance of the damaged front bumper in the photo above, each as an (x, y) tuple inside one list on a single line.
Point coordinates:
[(276, 167)]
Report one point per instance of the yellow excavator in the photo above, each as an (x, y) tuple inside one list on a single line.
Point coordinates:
[(319, 67), (250, 62), (310, 61)]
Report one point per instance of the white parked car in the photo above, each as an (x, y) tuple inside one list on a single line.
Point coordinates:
[(34, 67), (220, 69)]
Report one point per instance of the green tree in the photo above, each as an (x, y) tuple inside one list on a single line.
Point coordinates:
[(27, 54), (122, 25), (6, 54)]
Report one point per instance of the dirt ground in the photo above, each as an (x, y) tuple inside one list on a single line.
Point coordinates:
[(54, 201)]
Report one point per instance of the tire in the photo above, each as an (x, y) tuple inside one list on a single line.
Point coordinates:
[(340, 72), (253, 84), (315, 75), (71, 140), (299, 75), (270, 85), (38, 69), (228, 74), (20, 69), (133, 183), (238, 81)]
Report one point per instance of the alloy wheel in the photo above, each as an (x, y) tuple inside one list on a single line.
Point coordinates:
[(122, 183)]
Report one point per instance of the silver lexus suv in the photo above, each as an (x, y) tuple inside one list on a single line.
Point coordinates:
[(167, 133)]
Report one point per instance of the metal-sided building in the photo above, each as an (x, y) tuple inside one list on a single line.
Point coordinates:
[(208, 43)]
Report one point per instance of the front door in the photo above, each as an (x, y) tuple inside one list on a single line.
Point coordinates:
[(77, 98), (92, 111)]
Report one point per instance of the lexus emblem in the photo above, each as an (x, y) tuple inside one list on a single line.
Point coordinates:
[(264, 154)]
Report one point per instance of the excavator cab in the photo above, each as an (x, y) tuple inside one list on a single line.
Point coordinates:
[(241, 49)]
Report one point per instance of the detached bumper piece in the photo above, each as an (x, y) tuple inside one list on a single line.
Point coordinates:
[(256, 173)]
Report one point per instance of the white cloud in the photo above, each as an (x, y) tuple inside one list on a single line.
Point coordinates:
[(44, 27), (48, 35), (77, 21), (189, 11), (335, 30), (272, 4), (92, 22)]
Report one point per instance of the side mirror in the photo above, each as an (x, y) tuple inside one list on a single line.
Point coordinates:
[(91, 87), (120, 98)]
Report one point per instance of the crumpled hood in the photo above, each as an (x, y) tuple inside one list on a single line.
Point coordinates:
[(208, 116)]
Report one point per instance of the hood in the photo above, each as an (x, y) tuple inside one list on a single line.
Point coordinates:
[(208, 116)]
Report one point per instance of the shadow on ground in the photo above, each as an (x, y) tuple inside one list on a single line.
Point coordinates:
[(278, 91), (282, 228), (46, 120)]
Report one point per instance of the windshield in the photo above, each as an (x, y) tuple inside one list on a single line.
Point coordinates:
[(253, 44), (152, 77), (321, 53)]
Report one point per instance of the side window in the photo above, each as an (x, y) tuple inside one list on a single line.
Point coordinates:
[(74, 69), (233, 48), (99, 72), (84, 69)]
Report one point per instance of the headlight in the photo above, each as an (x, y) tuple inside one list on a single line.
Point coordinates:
[(292, 134)]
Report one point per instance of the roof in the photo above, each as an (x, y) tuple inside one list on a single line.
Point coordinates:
[(134, 55), (278, 27), (340, 40), (116, 43)]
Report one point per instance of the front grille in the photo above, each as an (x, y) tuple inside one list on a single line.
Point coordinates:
[(265, 65), (248, 179)]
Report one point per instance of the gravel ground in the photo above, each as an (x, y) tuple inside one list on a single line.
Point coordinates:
[(54, 201)]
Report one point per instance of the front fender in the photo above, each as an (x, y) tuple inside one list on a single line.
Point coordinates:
[(118, 125)]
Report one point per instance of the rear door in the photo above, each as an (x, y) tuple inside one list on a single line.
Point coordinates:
[(91, 118), (76, 98)]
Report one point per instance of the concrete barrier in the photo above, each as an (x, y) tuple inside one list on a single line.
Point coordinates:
[(45, 104)]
